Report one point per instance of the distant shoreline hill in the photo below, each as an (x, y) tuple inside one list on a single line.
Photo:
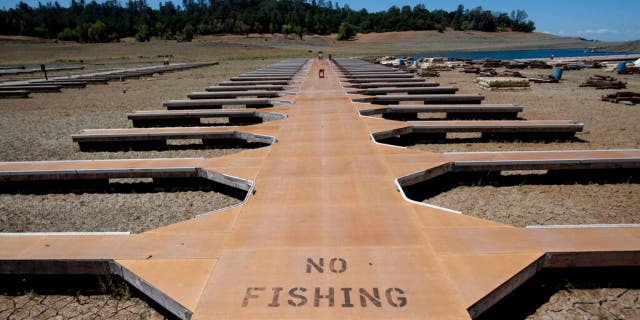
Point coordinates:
[(21, 49), (393, 42), (628, 46)]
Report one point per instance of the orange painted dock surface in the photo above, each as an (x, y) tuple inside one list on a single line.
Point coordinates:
[(326, 222)]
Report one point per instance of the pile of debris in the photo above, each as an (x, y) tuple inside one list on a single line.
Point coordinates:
[(470, 69), (604, 82), (427, 73), (502, 83), (438, 64), (578, 65), (625, 97), (374, 60), (591, 64), (630, 70), (487, 72), (482, 71), (516, 65), (492, 63), (408, 68), (490, 72), (543, 78), (570, 66), (538, 64), (389, 61), (510, 73)]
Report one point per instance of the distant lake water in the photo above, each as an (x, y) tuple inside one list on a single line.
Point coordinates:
[(518, 54)]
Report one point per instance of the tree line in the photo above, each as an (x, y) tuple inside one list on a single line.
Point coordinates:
[(110, 20)]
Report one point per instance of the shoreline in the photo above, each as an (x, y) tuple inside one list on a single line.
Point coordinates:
[(617, 57), (606, 56)]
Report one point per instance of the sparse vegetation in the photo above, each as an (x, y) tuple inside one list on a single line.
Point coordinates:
[(105, 297), (186, 35), (115, 287), (97, 32), (143, 34), (286, 30), (346, 31)]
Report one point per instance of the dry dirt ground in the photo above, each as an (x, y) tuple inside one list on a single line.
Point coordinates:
[(524, 205), (600, 304), (606, 126), (133, 212), (80, 307), (39, 128)]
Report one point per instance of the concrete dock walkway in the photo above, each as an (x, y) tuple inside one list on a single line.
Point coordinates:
[(327, 235)]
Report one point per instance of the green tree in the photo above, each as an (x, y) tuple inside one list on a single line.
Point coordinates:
[(486, 22), (186, 35), (519, 21), (346, 31), (299, 31), (519, 16), (67, 35), (122, 18), (242, 28), (287, 29), (143, 34), (82, 32), (258, 27), (465, 26), (163, 31), (98, 32)]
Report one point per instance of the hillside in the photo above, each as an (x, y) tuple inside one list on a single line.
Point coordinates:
[(629, 46), (255, 46), (411, 42)]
